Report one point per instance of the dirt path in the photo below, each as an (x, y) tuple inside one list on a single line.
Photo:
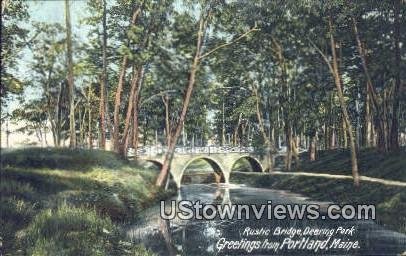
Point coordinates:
[(338, 176)]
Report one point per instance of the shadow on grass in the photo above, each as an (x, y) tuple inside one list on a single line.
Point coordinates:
[(62, 158), (70, 202), (371, 163)]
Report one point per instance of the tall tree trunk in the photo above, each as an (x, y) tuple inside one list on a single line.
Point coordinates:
[(312, 147), (327, 138), (165, 100), (269, 147), (81, 120), (103, 83), (345, 138), (130, 106), (72, 129), (117, 102), (223, 123), (288, 159), (188, 94), (57, 117), (295, 150), (89, 132), (136, 109), (102, 118), (285, 100), (4, 5), (45, 134), (89, 124), (368, 120), (381, 120), (333, 137), (337, 80), (236, 137), (394, 133)]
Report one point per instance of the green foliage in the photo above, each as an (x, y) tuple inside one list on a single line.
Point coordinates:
[(13, 40), (70, 201), (68, 231)]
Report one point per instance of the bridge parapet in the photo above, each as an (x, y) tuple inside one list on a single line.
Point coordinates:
[(160, 150)]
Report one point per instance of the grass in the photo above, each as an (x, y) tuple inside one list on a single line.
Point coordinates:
[(390, 201), (371, 163), (71, 202)]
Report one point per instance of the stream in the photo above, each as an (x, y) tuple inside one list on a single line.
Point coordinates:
[(206, 237)]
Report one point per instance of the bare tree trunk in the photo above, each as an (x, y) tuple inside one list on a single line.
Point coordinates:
[(327, 138), (285, 100), (89, 124), (394, 133), (82, 119), (188, 94), (345, 138), (165, 100), (312, 147), (370, 90), (103, 83), (288, 159), (102, 119), (381, 121), (124, 142), (72, 129), (267, 141), (57, 119), (236, 140), (45, 134), (332, 138), (4, 5), (337, 79), (368, 119), (136, 109), (295, 151), (117, 102)]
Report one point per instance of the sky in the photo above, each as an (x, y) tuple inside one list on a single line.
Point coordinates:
[(49, 11), (52, 11)]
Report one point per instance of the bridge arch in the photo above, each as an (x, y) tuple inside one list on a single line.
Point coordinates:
[(155, 162), (255, 164), (215, 165), (170, 181)]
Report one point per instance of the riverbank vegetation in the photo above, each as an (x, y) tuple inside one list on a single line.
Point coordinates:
[(389, 200), (372, 163), (71, 202)]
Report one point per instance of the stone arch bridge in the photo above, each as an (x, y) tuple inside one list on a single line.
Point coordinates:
[(221, 159)]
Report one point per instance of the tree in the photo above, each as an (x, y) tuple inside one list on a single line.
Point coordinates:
[(49, 76), (205, 17), (70, 79), (13, 40), (123, 69), (394, 139)]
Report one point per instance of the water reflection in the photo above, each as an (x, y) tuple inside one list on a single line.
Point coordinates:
[(201, 237)]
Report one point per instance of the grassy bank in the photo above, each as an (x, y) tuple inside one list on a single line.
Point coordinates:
[(390, 201), (371, 163), (70, 202)]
